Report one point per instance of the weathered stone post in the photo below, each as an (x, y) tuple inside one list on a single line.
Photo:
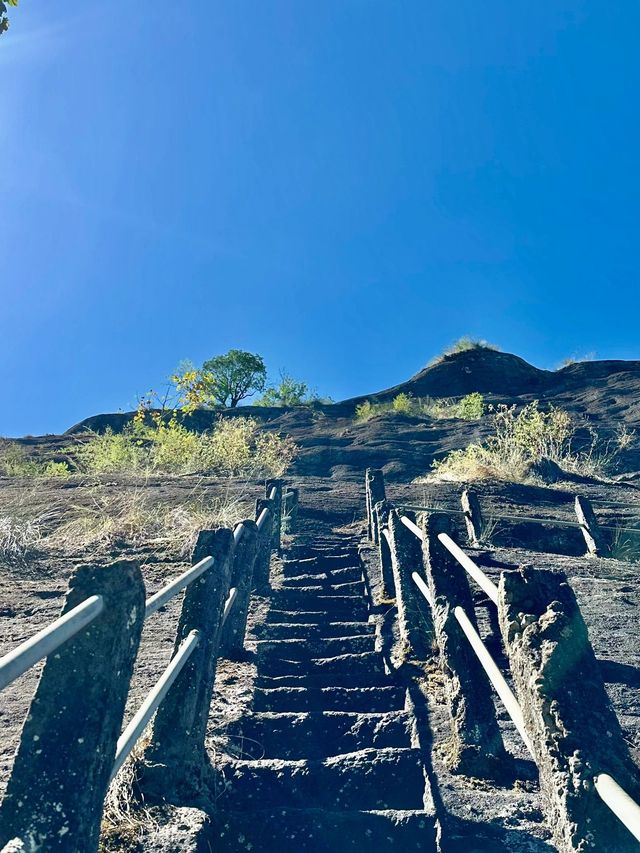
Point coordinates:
[(375, 492), (477, 745), (589, 526), (62, 767), (176, 757), (262, 564), (574, 732), (381, 513), (414, 614), (244, 556), (291, 505), (277, 511), (472, 517)]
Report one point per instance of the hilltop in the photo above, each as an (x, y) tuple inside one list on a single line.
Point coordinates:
[(604, 395)]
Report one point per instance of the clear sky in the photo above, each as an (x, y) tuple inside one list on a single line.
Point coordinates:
[(343, 186)]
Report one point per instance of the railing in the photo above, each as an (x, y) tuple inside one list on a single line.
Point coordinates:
[(83, 767), (612, 794)]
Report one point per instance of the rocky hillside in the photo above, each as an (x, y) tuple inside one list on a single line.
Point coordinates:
[(606, 394)]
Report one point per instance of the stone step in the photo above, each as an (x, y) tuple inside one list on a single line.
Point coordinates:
[(276, 616), (318, 734), (360, 663), (297, 599), (314, 647), (325, 679), (385, 778), (326, 562), (360, 699), (355, 587), (307, 630), (333, 576), (321, 831)]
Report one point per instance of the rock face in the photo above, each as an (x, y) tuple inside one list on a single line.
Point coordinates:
[(333, 443), (335, 766), (571, 724)]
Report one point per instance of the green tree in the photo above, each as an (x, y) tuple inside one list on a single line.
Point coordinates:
[(288, 392), (234, 376), (4, 21)]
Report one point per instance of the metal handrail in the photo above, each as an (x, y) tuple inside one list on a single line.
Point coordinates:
[(262, 518), (176, 585), (131, 734), (610, 792), (19, 660), (616, 798), (470, 567), (136, 727), (466, 562)]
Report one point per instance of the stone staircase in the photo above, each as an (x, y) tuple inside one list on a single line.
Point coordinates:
[(336, 766)]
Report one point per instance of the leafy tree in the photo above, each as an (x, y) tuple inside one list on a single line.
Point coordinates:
[(234, 376), (289, 392), (4, 21), (221, 381)]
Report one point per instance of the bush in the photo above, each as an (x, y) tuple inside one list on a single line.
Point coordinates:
[(365, 411), (521, 439), (469, 408), (14, 462), (403, 403), (233, 448), (463, 344)]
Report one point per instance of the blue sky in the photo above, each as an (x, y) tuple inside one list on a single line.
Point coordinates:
[(343, 186)]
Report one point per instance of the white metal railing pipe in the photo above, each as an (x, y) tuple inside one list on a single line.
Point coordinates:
[(273, 493), (422, 586), (387, 535), (413, 527), (22, 658), (495, 676), (262, 518), (176, 585), (616, 798), (237, 534), (470, 567), (229, 604), (131, 734)]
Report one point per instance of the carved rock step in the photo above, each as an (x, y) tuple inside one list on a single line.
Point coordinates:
[(320, 831), (360, 699), (349, 588), (361, 663), (368, 779), (291, 568), (294, 599), (314, 648), (319, 734), (307, 630), (325, 679), (321, 617), (354, 573)]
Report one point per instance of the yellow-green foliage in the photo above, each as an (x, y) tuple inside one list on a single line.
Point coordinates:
[(14, 462), (463, 344), (520, 439), (469, 408), (234, 447), (403, 403)]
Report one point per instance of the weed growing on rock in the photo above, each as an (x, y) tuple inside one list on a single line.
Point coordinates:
[(14, 462), (521, 440), (18, 538), (463, 344)]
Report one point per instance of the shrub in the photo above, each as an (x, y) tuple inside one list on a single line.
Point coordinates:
[(365, 411), (463, 344), (288, 392), (520, 439), (14, 462), (233, 448), (469, 408), (403, 403)]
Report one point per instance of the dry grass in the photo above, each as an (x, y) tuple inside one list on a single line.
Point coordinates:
[(132, 517), (125, 818), (18, 538)]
